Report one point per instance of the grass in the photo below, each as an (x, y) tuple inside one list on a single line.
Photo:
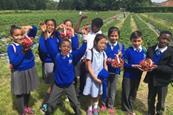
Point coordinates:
[(7, 107), (127, 25)]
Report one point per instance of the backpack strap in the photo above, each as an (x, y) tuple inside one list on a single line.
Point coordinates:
[(92, 55), (120, 46), (144, 49), (14, 47)]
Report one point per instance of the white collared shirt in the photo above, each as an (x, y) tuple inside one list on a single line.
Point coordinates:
[(113, 45), (136, 49), (97, 59), (16, 43), (90, 39), (68, 55), (161, 49)]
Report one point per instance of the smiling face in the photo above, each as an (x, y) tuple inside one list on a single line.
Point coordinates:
[(50, 26), (17, 35), (137, 42), (94, 28), (101, 45), (164, 40), (114, 36), (65, 47), (68, 23)]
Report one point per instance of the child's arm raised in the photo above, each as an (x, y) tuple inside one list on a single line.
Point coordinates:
[(30, 30), (77, 27), (75, 42), (77, 54)]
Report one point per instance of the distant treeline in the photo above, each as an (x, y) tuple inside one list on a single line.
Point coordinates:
[(129, 5), (150, 9), (71, 4), (23, 4), (102, 4)]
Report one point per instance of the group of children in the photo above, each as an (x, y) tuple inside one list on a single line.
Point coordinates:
[(60, 54)]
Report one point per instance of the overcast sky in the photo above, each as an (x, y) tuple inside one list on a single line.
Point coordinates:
[(151, 0), (158, 1)]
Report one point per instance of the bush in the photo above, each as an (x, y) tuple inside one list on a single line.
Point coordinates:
[(150, 9)]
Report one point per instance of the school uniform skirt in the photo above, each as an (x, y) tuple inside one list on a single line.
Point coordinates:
[(92, 88), (47, 72), (23, 82)]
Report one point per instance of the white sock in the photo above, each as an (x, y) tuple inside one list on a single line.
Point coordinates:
[(96, 105)]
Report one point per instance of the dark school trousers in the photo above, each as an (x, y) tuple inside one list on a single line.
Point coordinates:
[(160, 92), (129, 93), (55, 98)]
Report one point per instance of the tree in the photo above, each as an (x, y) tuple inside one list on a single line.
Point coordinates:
[(51, 5), (66, 4), (80, 4), (72, 4)]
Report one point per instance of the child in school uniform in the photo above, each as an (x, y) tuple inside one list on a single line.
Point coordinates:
[(113, 48), (95, 62), (67, 24), (64, 62), (132, 73), (160, 75), (48, 27), (95, 29), (23, 73)]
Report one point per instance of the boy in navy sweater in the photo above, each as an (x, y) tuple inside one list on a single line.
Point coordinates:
[(160, 75), (64, 73), (132, 73)]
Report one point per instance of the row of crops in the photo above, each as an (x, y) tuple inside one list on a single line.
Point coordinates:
[(149, 23), (110, 18)]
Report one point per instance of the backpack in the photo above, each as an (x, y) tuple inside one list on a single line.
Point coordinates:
[(92, 58)]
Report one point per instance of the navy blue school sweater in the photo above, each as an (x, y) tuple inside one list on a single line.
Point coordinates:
[(21, 61), (64, 65), (156, 57), (43, 52), (33, 32), (133, 57), (111, 54), (74, 41)]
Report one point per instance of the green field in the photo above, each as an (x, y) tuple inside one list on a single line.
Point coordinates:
[(146, 23)]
